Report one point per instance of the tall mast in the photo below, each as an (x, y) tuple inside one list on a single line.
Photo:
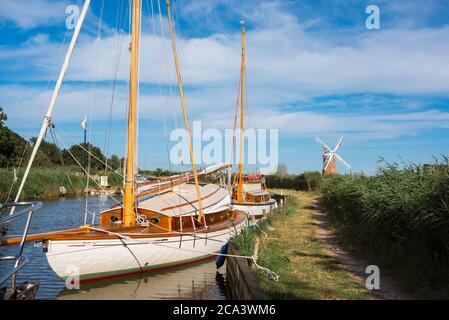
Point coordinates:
[(129, 218), (242, 116), (186, 120)]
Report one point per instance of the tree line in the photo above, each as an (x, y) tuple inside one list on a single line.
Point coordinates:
[(14, 149)]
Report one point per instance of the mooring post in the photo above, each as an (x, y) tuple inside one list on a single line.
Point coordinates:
[(256, 248)]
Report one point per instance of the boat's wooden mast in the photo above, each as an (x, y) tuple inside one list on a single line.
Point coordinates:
[(242, 117), (186, 120), (129, 218)]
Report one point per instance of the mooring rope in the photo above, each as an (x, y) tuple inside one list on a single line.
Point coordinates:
[(265, 235), (265, 271)]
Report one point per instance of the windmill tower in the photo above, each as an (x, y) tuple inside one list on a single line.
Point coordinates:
[(330, 157)]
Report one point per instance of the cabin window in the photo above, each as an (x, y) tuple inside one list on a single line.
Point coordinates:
[(154, 220)]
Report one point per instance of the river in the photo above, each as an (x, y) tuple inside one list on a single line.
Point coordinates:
[(198, 281)]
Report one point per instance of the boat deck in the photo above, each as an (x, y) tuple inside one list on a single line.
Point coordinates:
[(153, 231)]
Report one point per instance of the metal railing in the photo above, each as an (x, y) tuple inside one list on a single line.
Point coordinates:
[(26, 208)]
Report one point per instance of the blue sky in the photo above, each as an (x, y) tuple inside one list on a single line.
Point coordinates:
[(313, 69)]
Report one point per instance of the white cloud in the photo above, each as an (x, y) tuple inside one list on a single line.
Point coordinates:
[(33, 13), (27, 106), (285, 64), (280, 59)]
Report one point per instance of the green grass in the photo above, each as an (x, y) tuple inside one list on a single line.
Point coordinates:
[(44, 183), (399, 218), (297, 256)]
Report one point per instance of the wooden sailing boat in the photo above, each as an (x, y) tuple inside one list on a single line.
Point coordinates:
[(145, 232), (251, 194)]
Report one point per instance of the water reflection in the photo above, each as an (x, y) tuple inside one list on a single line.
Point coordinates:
[(198, 281)]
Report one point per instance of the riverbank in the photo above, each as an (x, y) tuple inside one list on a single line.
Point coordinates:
[(292, 250), (44, 183)]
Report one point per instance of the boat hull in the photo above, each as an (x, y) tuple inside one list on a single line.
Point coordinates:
[(256, 210), (89, 260)]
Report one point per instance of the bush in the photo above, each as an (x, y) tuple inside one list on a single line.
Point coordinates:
[(307, 181)]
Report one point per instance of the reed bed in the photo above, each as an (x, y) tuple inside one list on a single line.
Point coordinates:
[(400, 219), (44, 183)]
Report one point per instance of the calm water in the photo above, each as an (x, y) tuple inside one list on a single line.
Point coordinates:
[(199, 281)]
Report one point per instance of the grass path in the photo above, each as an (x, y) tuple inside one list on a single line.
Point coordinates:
[(293, 251)]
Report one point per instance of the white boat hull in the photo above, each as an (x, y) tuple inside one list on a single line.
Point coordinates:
[(256, 210), (96, 259)]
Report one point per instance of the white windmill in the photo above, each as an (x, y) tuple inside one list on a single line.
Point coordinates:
[(330, 157)]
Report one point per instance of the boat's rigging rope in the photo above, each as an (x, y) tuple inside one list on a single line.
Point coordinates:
[(89, 176), (18, 167), (98, 159), (119, 45), (125, 138), (92, 105), (235, 121), (180, 47), (115, 200), (182, 100), (196, 233), (195, 230), (137, 130), (153, 25), (61, 159), (250, 108), (122, 239), (167, 73), (195, 209), (52, 71), (86, 150)]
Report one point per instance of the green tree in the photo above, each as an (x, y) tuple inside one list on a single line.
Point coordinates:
[(11, 144), (82, 156), (114, 162), (41, 159), (50, 150)]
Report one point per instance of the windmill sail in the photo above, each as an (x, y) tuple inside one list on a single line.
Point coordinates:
[(330, 157)]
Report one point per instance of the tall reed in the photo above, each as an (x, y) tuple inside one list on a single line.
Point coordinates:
[(44, 183), (400, 218)]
